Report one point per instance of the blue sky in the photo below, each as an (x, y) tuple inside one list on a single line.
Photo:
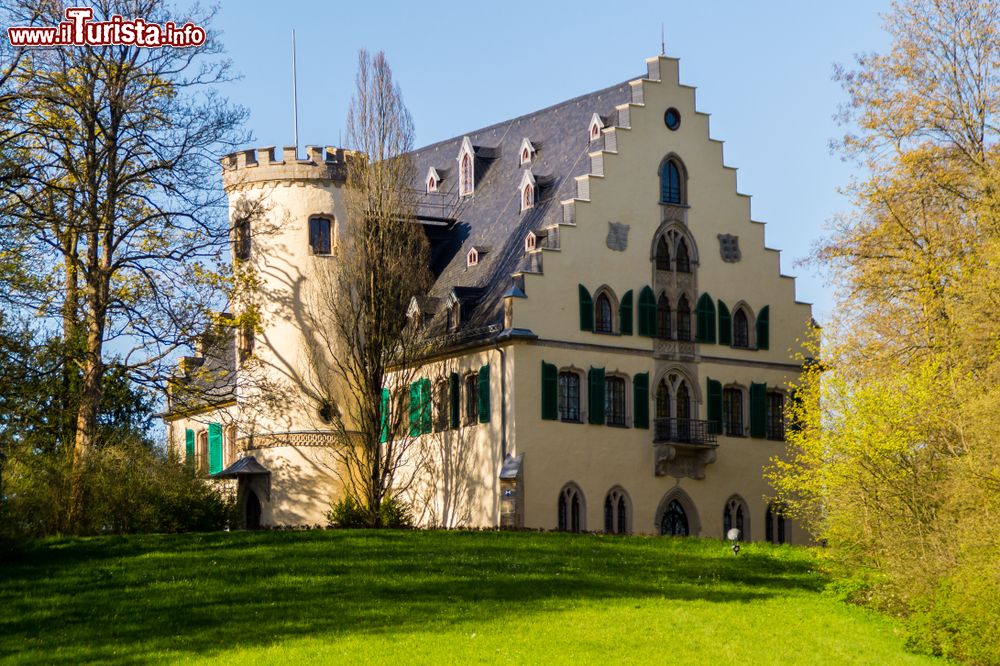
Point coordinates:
[(763, 71)]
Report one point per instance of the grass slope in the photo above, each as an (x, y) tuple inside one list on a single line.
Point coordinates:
[(431, 597)]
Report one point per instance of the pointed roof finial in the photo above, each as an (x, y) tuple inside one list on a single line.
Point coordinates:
[(663, 43)]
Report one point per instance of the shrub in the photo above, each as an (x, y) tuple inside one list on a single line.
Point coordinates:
[(126, 487), (347, 513)]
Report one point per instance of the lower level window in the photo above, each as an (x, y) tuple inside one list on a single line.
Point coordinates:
[(570, 510), (674, 521), (569, 396), (614, 401), (775, 525)]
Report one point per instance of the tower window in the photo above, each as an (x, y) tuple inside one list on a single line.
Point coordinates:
[(320, 236), (242, 241)]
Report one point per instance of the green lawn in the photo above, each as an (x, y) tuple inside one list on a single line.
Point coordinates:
[(428, 597)]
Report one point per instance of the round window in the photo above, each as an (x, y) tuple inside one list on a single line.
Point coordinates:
[(672, 118)]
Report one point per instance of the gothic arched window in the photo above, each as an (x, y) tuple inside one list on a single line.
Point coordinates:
[(674, 521)]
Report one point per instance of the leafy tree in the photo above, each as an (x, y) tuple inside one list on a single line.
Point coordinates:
[(896, 460), (117, 205)]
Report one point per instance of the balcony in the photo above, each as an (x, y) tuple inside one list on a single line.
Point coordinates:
[(683, 447), (683, 431)]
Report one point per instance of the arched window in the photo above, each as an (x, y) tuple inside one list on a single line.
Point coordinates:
[(525, 155), (528, 199), (432, 185), (603, 322), (683, 319), (683, 258), (670, 183), (662, 400), (741, 329), (683, 401), (734, 515), (570, 509), (569, 396), (466, 175), (616, 512), (775, 524), (674, 521), (662, 254), (732, 411), (663, 317)]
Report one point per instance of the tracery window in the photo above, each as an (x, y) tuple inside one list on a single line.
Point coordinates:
[(674, 521), (616, 513), (741, 329), (570, 518), (603, 322)]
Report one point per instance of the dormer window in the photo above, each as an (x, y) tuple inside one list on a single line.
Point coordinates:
[(432, 180), (473, 258), (527, 152), (596, 125), (454, 316), (530, 241), (466, 170), (527, 190)]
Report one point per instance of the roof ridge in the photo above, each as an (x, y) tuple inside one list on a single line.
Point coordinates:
[(523, 116)]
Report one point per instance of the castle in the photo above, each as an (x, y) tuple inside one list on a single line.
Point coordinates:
[(619, 344)]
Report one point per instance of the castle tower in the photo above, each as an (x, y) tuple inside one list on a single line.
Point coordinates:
[(285, 216)]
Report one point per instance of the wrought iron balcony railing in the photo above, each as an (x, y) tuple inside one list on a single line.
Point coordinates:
[(683, 431)]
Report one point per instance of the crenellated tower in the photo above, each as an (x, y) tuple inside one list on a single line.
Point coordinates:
[(284, 215)]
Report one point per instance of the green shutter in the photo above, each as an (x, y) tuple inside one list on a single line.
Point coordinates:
[(414, 411), (425, 406), (586, 310), (383, 415), (714, 406), (640, 400), (647, 312), (214, 448), (725, 325), (595, 396), (455, 398), (484, 394), (550, 392), (625, 313), (189, 445), (758, 410), (763, 328), (706, 319)]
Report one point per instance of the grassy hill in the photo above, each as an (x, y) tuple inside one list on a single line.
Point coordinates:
[(428, 597)]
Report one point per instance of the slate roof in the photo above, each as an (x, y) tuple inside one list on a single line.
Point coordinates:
[(491, 217), (207, 379)]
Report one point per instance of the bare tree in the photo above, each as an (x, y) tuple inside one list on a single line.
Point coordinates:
[(118, 199), (363, 342)]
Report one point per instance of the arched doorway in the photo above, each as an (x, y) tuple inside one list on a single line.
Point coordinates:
[(252, 511)]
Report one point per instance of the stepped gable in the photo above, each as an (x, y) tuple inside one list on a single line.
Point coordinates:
[(492, 217)]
